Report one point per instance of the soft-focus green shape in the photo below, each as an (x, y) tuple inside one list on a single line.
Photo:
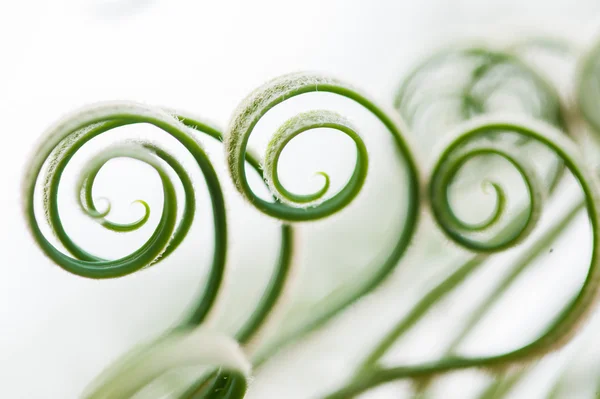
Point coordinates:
[(191, 348), (568, 320)]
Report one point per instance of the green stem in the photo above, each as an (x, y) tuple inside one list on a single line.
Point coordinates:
[(428, 301), (520, 265), (369, 375)]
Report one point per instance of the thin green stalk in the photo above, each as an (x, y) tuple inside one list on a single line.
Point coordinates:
[(369, 375), (420, 309), (294, 208), (564, 324), (443, 288), (520, 264)]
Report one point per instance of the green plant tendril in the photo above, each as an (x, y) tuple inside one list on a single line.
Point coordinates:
[(566, 322), (179, 349), (271, 299), (436, 295), (489, 72), (279, 282), (459, 83), (439, 292), (502, 386), (296, 126), (449, 166), (69, 135), (263, 99), (245, 118)]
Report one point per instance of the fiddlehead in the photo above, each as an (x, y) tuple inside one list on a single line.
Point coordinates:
[(457, 84), (444, 78), (504, 226), (461, 83), (293, 207), (567, 321), (60, 144), (297, 208), (449, 165)]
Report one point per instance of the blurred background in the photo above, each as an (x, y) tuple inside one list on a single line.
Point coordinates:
[(59, 331)]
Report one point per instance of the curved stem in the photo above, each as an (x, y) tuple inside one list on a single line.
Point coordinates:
[(368, 367)]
